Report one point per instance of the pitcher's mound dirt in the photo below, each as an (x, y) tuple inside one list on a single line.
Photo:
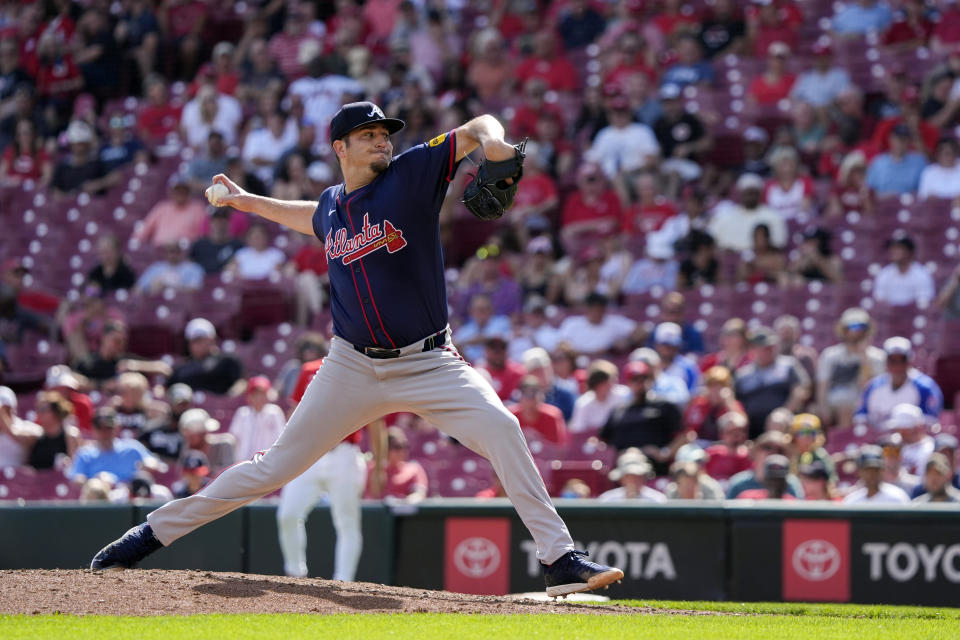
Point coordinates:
[(151, 592)]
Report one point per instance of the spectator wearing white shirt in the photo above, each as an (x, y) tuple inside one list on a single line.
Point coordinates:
[(174, 271), (942, 178), (732, 226), (210, 111), (623, 145), (323, 92), (900, 384), (632, 472), (821, 85), (258, 260), (904, 281), (534, 330), (593, 408), (916, 444), (264, 145), (257, 425), (872, 489), (16, 435), (597, 331)]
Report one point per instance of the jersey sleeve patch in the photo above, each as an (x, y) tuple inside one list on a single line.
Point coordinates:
[(438, 140)]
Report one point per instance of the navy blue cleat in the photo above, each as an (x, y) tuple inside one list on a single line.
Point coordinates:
[(572, 574), (135, 545)]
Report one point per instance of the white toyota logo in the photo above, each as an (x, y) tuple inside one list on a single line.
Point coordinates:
[(816, 560), (476, 557)]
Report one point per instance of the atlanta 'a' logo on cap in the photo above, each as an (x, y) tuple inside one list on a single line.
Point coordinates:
[(375, 111)]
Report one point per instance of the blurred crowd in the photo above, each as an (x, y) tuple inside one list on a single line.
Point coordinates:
[(678, 150)]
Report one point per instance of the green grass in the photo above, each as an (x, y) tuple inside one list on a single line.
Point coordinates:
[(806, 609), (820, 622)]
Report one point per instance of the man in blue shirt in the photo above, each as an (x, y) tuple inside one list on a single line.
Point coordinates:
[(856, 19), (899, 169), (122, 457), (392, 350)]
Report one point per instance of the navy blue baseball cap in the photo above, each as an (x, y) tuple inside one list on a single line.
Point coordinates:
[(356, 114)]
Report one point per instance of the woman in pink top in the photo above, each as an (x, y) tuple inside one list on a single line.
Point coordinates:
[(406, 479)]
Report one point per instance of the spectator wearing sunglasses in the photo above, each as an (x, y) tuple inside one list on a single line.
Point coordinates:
[(807, 438)]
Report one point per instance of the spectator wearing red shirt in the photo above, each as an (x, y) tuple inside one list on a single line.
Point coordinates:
[(593, 208), (533, 413), (651, 209), (222, 71), (534, 107), (775, 82), (309, 264), (770, 21), (731, 455), (58, 77), (292, 47), (946, 32), (924, 134), (62, 380), (25, 158), (734, 352), (182, 23), (630, 56), (548, 63), (406, 479), (714, 401), (537, 195), (911, 29), (674, 18), (158, 116), (505, 375)]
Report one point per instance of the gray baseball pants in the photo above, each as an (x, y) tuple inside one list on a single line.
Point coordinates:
[(351, 390)]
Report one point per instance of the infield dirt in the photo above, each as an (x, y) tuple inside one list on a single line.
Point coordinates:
[(153, 592)]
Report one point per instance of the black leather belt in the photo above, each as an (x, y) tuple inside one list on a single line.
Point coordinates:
[(379, 353)]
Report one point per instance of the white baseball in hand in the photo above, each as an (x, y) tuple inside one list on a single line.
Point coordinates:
[(216, 192)]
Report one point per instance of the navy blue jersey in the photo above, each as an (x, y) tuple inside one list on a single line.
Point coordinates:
[(382, 241)]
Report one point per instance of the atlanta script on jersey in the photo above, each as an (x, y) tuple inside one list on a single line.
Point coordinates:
[(383, 247)]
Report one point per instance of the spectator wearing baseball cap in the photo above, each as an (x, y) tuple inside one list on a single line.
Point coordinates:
[(900, 384), (163, 437), (673, 309), (122, 457), (62, 379), (770, 443), (257, 424), (668, 343), (632, 472), (772, 380), (194, 475), (844, 369), (733, 224), (821, 85), (904, 281), (201, 433), (536, 415), (945, 444), (649, 423), (807, 440), (872, 489), (178, 217), (689, 479), (817, 482), (16, 434), (604, 394), (776, 468), (207, 368), (897, 170), (936, 481), (666, 386), (937, 476)]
